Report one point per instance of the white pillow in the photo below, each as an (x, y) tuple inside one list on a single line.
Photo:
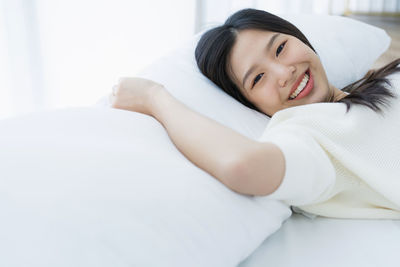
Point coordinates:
[(347, 49), (107, 187)]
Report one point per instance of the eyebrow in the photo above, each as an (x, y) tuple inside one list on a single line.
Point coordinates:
[(269, 45)]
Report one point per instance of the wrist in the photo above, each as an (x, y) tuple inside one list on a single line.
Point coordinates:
[(158, 102)]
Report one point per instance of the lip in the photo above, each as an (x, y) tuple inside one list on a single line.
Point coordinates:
[(307, 89)]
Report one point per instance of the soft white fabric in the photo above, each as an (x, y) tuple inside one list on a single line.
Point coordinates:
[(179, 73), (103, 187), (347, 49), (330, 243), (106, 187), (340, 164)]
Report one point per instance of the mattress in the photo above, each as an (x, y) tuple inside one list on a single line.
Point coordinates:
[(303, 241)]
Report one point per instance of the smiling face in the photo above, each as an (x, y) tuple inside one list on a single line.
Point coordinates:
[(275, 71)]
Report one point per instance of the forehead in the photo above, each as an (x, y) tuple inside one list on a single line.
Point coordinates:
[(245, 51)]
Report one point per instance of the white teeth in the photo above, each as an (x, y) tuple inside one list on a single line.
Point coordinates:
[(300, 87)]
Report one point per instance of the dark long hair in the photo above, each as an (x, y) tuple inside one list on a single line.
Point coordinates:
[(373, 90), (214, 46)]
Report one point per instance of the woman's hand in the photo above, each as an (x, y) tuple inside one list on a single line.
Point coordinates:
[(135, 94)]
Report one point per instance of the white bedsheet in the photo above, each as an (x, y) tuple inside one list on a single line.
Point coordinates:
[(330, 242)]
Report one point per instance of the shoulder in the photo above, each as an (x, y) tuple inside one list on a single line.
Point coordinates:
[(310, 114)]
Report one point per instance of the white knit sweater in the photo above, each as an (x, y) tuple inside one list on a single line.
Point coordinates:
[(338, 164)]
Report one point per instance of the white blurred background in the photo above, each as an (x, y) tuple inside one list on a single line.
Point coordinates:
[(64, 53)]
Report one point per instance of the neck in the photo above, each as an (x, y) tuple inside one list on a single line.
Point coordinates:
[(335, 94)]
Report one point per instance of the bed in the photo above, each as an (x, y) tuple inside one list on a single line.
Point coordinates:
[(314, 242), (95, 186)]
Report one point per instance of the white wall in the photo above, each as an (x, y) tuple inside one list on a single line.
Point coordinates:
[(214, 12), (5, 97), (59, 53), (88, 45), (17, 74)]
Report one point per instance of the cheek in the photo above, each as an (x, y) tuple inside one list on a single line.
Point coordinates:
[(266, 96), (297, 55), (317, 61)]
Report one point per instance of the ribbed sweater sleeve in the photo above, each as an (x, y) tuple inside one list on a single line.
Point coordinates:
[(308, 171)]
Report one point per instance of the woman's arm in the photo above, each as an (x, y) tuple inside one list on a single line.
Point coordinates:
[(244, 165)]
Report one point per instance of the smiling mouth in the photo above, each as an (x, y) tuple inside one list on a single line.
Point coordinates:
[(303, 87)]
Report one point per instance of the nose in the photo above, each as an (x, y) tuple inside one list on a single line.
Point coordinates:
[(285, 74)]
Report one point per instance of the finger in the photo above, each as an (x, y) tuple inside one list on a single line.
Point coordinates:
[(122, 79)]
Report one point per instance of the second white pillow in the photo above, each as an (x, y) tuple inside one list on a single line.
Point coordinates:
[(347, 49)]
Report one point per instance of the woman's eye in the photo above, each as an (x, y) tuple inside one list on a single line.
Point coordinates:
[(258, 77), (280, 48)]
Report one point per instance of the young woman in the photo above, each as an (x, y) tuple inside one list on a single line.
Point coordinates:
[(330, 152)]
